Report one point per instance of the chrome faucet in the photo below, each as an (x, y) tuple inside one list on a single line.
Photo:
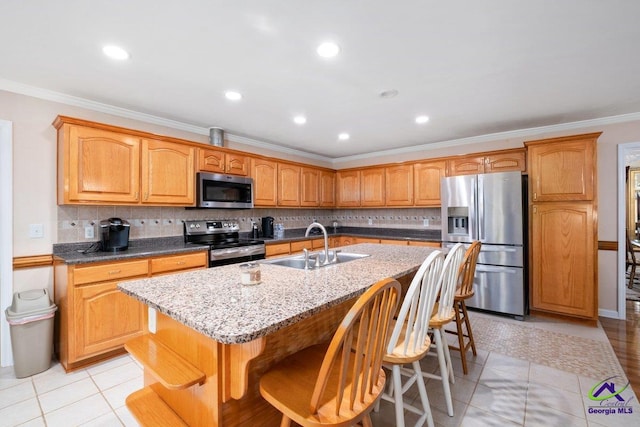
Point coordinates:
[(326, 239)]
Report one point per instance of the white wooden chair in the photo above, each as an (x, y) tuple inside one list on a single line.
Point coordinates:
[(410, 341), (444, 314)]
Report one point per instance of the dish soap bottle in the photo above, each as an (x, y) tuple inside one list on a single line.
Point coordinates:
[(254, 231)]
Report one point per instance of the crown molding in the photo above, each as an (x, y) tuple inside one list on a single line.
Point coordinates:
[(520, 133), (49, 95)]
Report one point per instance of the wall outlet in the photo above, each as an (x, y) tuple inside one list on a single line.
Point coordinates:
[(88, 232), (36, 231), (425, 222), (370, 221)]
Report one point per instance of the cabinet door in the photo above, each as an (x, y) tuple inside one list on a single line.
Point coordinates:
[(429, 244), (563, 258), (277, 249), (426, 181), (288, 185), (168, 173), (265, 182), (299, 245), (237, 164), (310, 187), (364, 240), (211, 160), (399, 185), (327, 189), (104, 319), (348, 188), (372, 187), (563, 170), (98, 166), (394, 242), (465, 165), (505, 162)]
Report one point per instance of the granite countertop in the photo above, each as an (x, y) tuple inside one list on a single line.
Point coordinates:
[(214, 303), (81, 253)]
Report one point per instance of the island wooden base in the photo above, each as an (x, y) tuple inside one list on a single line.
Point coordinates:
[(229, 396)]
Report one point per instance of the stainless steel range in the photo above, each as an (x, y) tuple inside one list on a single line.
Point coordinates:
[(224, 241)]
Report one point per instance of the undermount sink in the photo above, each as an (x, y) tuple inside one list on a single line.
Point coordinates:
[(297, 261)]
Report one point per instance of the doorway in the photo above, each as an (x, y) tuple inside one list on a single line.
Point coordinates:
[(6, 239), (628, 157)]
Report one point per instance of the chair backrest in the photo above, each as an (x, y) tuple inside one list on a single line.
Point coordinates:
[(449, 278), (354, 356), (412, 322), (468, 270)]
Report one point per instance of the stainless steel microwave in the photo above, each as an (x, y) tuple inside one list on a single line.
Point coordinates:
[(216, 190)]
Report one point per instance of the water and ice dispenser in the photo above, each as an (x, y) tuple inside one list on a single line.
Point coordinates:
[(458, 220)]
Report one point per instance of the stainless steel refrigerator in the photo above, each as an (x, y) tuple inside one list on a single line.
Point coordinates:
[(490, 208)]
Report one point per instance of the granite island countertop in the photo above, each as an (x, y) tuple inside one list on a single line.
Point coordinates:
[(214, 303)]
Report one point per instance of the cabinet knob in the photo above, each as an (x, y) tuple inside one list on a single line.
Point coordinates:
[(535, 196)]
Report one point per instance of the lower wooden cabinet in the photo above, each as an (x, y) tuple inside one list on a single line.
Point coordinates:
[(96, 319), (563, 259), (104, 319)]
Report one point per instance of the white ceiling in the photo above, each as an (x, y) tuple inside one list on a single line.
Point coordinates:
[(474, 67)]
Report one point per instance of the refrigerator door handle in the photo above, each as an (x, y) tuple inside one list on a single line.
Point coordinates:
[(494, 269), (500, 249), (480, 208)]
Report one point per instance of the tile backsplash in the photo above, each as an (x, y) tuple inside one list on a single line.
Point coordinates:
[(167, 221)]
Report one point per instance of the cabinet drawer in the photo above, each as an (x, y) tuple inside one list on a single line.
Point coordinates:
[(178, 262), (300, 245), (394, 242), (111, 271), (277, 249), (421, 243)]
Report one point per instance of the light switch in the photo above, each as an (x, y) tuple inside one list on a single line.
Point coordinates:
[(36, 231)]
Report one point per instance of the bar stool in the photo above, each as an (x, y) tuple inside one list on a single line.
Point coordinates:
[(463, 292)]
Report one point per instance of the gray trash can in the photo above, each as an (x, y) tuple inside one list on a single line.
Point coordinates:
[(30, 317)]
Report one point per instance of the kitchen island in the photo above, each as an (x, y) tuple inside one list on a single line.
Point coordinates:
[(224, 335)]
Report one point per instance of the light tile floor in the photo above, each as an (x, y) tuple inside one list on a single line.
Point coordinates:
[(504, 387)]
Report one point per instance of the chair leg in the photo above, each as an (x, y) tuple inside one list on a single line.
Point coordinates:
[(366, 421), (633, 274), (442, 351), (399, 405), (467, 323), (460, 332), (286, 421), (447, 355), (423, 392)]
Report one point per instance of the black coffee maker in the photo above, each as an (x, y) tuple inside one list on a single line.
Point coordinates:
[(267, 226), (114, 234)]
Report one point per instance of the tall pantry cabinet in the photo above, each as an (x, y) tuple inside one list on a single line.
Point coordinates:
[(563, 232)]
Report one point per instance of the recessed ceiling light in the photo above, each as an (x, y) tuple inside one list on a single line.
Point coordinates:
[(232, 95), (328, 49), (422, 119), (300, 120), (115, 52), (343, 136)]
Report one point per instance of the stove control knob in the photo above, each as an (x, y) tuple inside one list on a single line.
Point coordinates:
[(197, 225), (225, 225), (191, 225)]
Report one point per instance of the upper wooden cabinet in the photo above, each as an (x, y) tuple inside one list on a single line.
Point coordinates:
[(327, 188), (497, 161), (426, 182), (265, 182), (288, 184), (167, 173), (101, 164), (562, 168), (399, 185), (309, 187), (219, 161), (348, 188), (372, 187)]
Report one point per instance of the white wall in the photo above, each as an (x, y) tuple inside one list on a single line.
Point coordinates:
[(35, 174)]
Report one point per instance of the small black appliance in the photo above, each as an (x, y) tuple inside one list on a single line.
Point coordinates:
[(267, 227), (114, 234)]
